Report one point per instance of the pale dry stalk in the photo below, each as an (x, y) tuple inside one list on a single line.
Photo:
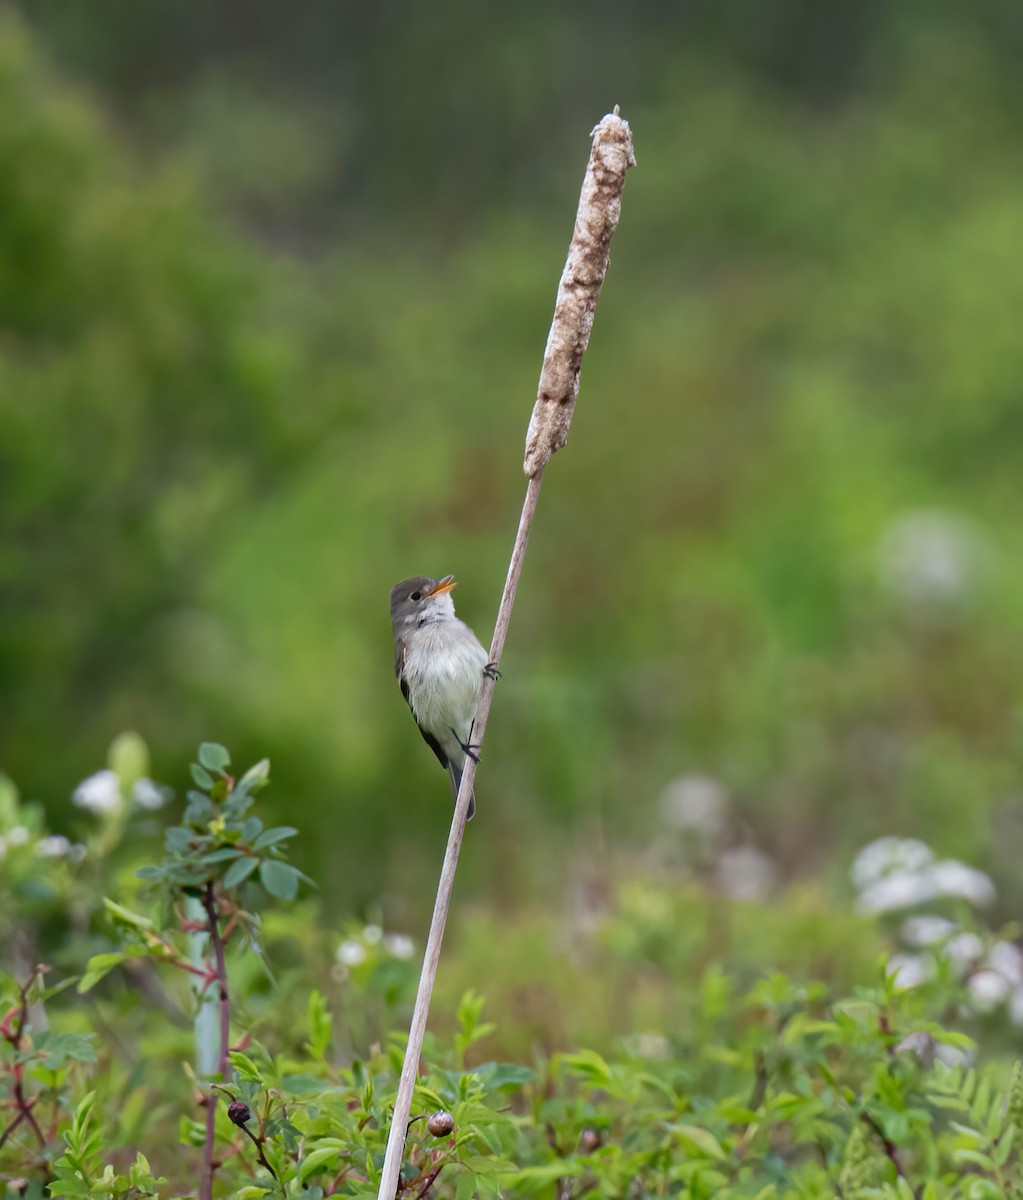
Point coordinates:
[(600, 205)]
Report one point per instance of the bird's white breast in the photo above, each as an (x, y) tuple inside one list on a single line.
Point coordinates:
[(443, 671)]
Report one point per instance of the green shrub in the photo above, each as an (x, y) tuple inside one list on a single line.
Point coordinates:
[(742, 1081)]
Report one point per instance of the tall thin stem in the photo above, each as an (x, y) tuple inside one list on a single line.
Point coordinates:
[(209, 903), (596, 219), (410, 1067)]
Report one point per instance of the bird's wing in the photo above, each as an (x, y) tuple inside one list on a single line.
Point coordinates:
[(399, 673)]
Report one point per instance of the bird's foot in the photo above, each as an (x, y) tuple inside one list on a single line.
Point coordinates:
[(468, 748), (490, 671)]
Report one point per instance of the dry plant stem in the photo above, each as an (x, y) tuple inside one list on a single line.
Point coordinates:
[(209, 903), (410, 1067), (596, 219)]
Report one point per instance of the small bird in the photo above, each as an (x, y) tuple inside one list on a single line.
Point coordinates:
[(439, 664)]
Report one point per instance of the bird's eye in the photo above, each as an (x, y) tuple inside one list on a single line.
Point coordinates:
[(416, 596)]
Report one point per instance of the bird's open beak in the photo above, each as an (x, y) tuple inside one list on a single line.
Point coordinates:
[(443, 587)]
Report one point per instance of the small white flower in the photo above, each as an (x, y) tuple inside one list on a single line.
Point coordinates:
[(18, 836), (54, 846), (1005, 958), (351, 953), (909, 970), (964, 949), (901, 889), (954, 878), (953, 1056), (925, 930), (695, 803), (399, 945), (988, 989), (920, 1044), (889, 855), (99, 794), (372, 935), (932, 558), (746, 873), (148, 795), (77, 852), (650, 1045)]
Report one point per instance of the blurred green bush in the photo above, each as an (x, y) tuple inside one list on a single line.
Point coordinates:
[(780, 549)]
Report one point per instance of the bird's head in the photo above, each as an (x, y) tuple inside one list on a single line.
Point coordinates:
[(420, 599)]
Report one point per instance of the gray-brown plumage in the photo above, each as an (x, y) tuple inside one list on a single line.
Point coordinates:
[(439, 664)]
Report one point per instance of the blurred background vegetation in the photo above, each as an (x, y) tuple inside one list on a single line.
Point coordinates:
[(274, 291)]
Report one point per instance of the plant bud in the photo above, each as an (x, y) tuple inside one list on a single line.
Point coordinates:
[(239, 1112), (589, 1140), (440, 1124)]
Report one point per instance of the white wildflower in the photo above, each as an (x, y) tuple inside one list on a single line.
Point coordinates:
[(148, 795), (909, 970), (18, 836), (54, 846), (930, 558), (901, 889), (399, 945), (697, 804), (925, 930), (954, 878), (99, 794), (988, 989), (372, 935), (654, 1046), (1005, 958), (888, 855), (964, 949), (953, 1056), (746, 873), (351, 953)]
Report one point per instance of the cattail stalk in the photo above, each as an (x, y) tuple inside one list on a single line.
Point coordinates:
[(596, 219)]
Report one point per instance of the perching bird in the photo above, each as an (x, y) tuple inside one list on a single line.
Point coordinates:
[(439, 664)]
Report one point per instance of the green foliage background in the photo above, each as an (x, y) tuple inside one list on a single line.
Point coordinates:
[(273, 296)]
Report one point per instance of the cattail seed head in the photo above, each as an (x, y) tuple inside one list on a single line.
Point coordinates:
[(600, 206)]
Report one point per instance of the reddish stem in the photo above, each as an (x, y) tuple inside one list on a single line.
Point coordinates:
[(12, 1029)]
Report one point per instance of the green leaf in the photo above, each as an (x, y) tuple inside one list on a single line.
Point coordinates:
[(256, 777), (320, 1024), (244, 1065), (316, 1161), (224, 854), (57, 1048), (101, 965), (702, 1139), (128, 758), (270, 837), (124, 916), (280, 879), (201, 776), (975, 1157), (214, 757), (239, 871)]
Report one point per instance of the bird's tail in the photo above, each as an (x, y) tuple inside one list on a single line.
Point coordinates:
[(455, 772)]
